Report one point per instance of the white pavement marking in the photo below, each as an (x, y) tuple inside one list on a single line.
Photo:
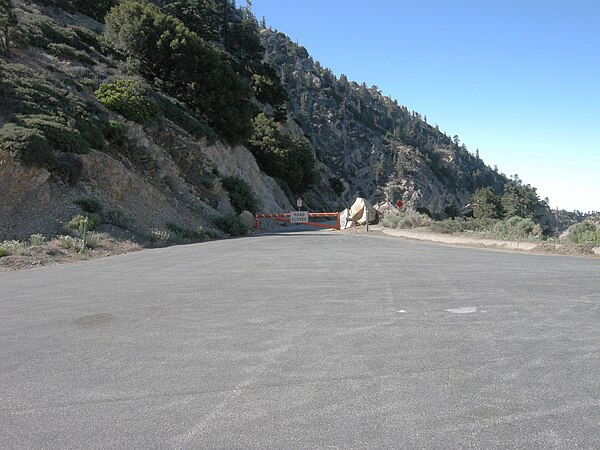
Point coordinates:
[(463, 310)]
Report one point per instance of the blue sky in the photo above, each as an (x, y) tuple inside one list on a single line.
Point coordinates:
[(517, 79)]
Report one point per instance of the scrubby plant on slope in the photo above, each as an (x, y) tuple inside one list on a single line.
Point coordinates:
[(29, 92), (583, 233), (8, 23), (281, 155), (183, 65), (128, 98), (241, 195)]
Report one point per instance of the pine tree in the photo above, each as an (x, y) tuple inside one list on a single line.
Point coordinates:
[(8, 22)]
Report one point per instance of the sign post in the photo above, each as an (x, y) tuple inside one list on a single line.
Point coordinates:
[(299, 203)]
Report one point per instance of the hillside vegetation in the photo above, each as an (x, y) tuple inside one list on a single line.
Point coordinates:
[(172, 115)]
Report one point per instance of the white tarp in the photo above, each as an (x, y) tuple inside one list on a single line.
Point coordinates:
[(357, 211), (343, 219)]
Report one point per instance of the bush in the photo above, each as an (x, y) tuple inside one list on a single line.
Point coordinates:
[(516, 228), (183, 65), (116, 133), (282, 156), (28, 147), (69, 242), (406, 220), (3, 252), (59, 136), (92, 240), (89, 205), (37, 239), (241, 195), (29, 92), (160, 236), (65, 51), (128, 98), (178, 113), (96, 9), (583, 233), (77, 223), (336, 185), (68, 167), (14, 247), (118, 218), (231, 225), (184, 233)]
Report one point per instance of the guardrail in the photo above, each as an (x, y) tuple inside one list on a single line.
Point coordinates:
[(285, 217)]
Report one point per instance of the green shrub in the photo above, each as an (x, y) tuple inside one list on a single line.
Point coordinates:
[(29, 92), (167, 53), (77, 223), (241, 195), (3, 252), (59, 136), (128, 98), (92, 240), (282, 156), (231, 225), (37, 239), (583, 233), (15, 247), (118, 218), (184, 233), (65, 51), (28, 147), (69, 242), (212, 233), (448, 226), (516, 227), (68, 167), (89, 205), (160, 236), (177, 113), (336, 185), (390, 220), (116, 133), (96, 9), (406, 220)]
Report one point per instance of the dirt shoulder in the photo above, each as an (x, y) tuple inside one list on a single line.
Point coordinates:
[(424, 234), (63, 251)]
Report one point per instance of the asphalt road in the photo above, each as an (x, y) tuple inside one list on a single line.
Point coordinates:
[(305, 340)]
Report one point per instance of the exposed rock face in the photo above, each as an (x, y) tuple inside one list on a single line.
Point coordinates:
[(163, 175), (368, 144)]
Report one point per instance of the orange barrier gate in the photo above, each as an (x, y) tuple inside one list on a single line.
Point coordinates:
[(285, 217)]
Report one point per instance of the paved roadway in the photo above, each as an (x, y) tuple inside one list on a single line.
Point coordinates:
[(305, 340)]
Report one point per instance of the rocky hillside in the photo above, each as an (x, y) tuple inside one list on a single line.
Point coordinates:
[(60, 144), (370, 144), (160, 111)]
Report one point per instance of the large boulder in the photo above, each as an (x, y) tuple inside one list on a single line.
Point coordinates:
[(357, 212)]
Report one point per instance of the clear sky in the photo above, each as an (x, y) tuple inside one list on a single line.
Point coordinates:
[(518, 79)]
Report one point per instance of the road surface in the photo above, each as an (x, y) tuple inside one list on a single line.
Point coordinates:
[(303, 340)]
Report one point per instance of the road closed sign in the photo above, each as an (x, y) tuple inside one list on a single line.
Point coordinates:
[(298, 216)]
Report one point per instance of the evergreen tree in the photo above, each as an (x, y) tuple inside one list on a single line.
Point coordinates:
[(519, 200), (183, 65), (8, 23), (282, 156), (486, 204)]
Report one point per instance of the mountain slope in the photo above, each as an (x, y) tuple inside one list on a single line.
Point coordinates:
[(371, 144), (148, 112)]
